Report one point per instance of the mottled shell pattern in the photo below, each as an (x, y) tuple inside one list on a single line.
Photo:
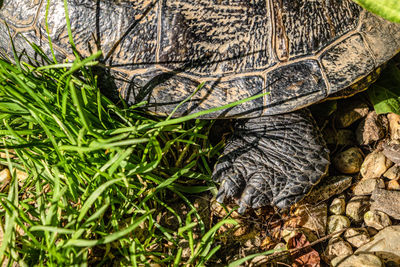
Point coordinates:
[(299, 51)]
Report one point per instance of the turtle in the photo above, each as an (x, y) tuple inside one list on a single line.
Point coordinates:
[(293, 52)]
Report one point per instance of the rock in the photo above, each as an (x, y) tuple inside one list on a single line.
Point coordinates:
[(337, 247), (371, 129), (386, 201), (393, 185), (328, 187), (338, 206), (394, 125), (348, 161), (374, 165), (377, 219), (313, 217), (356, 208), (393, 173), (356, 236), (385, 245), (339, 137), (5, 176), (392, 151), (337, 223), (350, 112), (364, 260), (366, 186)]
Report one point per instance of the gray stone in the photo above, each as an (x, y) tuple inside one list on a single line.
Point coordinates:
[(367, 186), (387, 201), (377, 219), (348, 161), (385, 245), (356, 207)]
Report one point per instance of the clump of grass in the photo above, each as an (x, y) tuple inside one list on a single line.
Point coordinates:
[(99, 176)]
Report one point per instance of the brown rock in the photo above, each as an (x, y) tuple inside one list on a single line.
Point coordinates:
[(357, 236), (364, 260), (393, 185), (337, 247), (374, 165), (350, 112), (394, 125), (371, 129), (338, 206), (366, 186), (393, 173), (348, 161)]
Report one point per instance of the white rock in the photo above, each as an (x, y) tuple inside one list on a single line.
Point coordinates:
[(362, 260), (356, 236), (337, 247), (385, 245)]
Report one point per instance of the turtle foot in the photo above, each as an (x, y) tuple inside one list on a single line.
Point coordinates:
[(272, 160)]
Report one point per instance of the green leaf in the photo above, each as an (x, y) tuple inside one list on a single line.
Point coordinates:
[(388, 9), (384, 100)]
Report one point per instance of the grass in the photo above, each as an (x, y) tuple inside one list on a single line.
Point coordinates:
[(100, 177)]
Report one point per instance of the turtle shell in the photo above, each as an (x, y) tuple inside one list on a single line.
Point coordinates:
[(217, 51)]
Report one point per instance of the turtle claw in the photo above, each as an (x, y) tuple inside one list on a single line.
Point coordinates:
[(272, 160)]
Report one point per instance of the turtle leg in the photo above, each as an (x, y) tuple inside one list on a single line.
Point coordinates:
[(272, 160)]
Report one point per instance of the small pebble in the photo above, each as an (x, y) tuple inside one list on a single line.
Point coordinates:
[(337, 247), (348, 161), (366, 186), (371, 129), (357, 236), (362, 260), (394, 125), (337, 223), (393, 173), (374, 165), (5, 176), (393, 185), (377, 219), (338, 206), (356, 208)]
